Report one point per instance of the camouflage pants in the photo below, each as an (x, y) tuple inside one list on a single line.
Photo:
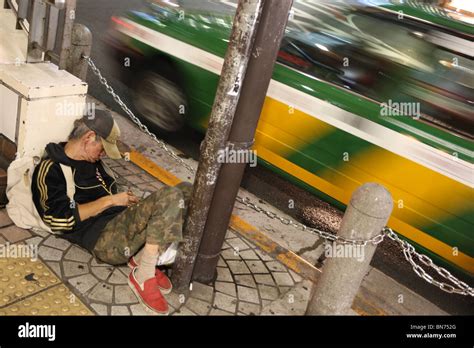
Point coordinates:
[(158, 219)]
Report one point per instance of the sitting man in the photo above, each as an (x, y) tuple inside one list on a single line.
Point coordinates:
[(111, 225)]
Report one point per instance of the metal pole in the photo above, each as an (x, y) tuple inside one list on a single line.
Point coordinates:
[(69, 17), (36, 34), (254, 90), (81, 45), (347, 264), (228, 93)]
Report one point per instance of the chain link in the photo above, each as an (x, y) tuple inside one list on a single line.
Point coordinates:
[(407, 249), (135, 119), (409, 252)]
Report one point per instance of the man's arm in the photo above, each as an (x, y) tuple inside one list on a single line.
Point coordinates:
[(96, 207)]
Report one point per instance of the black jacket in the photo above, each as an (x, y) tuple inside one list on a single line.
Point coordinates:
[(53, 204)]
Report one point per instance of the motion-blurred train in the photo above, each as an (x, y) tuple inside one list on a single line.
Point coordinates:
[(362, 91)]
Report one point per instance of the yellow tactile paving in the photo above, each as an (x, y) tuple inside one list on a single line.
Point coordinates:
[(30, 287), (21, 277), (58, 300)]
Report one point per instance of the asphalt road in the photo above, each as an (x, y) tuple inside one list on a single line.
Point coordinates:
[(95, 14)]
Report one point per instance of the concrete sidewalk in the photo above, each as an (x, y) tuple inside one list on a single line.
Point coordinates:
[(68, 280), (258, 273)]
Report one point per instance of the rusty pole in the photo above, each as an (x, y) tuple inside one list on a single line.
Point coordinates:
[(69, 18), (228, 92), (254, 90)]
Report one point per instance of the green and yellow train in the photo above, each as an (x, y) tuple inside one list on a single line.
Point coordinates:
[(367, 91)]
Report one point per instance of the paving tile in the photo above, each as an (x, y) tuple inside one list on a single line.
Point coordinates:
[(225, 302), (55, 266), (202, 292), (98, 263), (230, 254), (117, 277), (238, 267), (275, 266), (99, 308), (264, 279), (50, 254), (223, 274), (102, 272), (76, 254), (146, 178), (297, 278), (184, 311), (284, 289), (268, 292), (102, 292), (197, 306), (121, 171), (133, 168), (84, 282), (146, 187), (157, 185), (72, 268), (248, 294), (4, 219), (237, 244), (124, 269), (283, 279), (119, 310), (111, 163), (139, 309), (249, 255), (264, 256), (226, 288), (221, 262), (245, 280), (58, 243), (249, 308), (135, 179), (257, 266), (40, 233), (14, 234), (230, 234), (174, 299), (123, 294), (33, 241), (218, 312)]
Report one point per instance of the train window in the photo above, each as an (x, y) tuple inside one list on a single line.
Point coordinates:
[(385, 59)]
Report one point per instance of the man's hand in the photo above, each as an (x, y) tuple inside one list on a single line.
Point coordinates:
[(124, 199)]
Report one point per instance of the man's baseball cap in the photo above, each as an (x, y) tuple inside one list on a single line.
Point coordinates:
[(104, 125)]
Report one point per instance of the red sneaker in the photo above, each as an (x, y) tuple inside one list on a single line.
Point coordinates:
[(164, 283), (132, 263), (150, 295)]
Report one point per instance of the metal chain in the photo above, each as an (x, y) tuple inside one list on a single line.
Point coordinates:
[(409, 251), (323, 234), (135, 119), (407, 248)]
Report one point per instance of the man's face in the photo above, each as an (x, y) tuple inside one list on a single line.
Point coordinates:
[(93, 150)]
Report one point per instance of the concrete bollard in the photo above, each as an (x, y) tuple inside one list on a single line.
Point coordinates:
[(81, 44), (367, 213)]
